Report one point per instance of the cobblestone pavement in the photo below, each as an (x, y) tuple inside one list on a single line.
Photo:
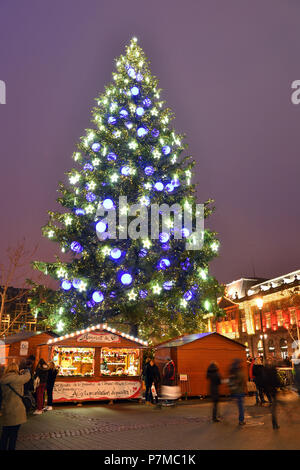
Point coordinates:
[(188, 426)]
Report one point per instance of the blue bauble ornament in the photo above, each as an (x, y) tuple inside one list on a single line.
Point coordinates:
[(155, 132), (126, 279), (166, 150), (108, 204), (88, 167), (143, 252), (76, 283), (112, 120), (185, 232), (76, 247), (147, 102), (66, 285), (175, 183), (79, 211), (168, 285), (159, 186), (131, 72), (143, 294), (165, 246), (125, 170), (140, 111), (169, 187), (142, 131), (188, 295), (101, 227), (134, 90), (164, 263), (139, 77), (115, 253), (98, 296), (149, 170), (164, 237), (111, 157), (96, 146), (186, 264), (123, 113), (91, 197)]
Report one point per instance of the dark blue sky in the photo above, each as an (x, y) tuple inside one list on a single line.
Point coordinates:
[(226, 69)]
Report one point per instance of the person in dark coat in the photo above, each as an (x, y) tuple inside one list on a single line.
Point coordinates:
[(169, 372), (214, 377), (258, 376), (52, 373), (156, 378), (271, 384), (41, 373), (148, 378)]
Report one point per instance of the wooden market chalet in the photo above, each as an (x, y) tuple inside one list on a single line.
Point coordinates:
[(97, 363)]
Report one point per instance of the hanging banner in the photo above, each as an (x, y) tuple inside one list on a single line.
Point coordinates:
[(98, 338), (106, 390)]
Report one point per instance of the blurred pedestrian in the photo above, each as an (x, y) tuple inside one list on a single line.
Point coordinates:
[(41, 375), (214, 377), (52, 373), (237, 385), (156, 379), (271, 384), (297, 374), (258, 375), (169, 372), (168, 380), (13, 409)]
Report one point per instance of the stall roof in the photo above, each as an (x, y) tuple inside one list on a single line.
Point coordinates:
[(101, 326), (24, 335), (182, 340)]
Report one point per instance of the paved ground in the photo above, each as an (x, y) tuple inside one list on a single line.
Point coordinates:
[(129, 425)]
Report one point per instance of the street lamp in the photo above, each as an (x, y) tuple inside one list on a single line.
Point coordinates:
[(260, 303)]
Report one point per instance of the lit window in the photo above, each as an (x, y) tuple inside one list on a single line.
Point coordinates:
[(120, 362), (74, 361)]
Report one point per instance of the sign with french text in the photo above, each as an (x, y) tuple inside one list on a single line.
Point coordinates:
[(106, 390), (98, 338)]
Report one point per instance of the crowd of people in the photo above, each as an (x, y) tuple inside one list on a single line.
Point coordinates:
[(266, 381), (16, 382), (154, 381)]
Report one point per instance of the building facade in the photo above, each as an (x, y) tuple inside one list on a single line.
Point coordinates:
[(264, 315), (17, 315)]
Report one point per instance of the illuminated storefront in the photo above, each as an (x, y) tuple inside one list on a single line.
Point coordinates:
[(98, 363)]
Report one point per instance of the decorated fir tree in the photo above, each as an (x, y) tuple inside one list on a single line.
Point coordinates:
[(113, 267)]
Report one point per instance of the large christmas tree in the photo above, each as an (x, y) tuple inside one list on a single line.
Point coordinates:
[(108, 272)]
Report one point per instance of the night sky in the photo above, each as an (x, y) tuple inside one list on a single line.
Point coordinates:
[(226, 69)]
